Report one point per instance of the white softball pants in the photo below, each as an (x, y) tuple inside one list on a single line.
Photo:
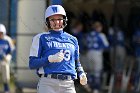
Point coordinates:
[(95, 61), (5, 70), (49, 85)]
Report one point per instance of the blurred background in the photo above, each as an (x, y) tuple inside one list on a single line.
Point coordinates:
[(118, 70)]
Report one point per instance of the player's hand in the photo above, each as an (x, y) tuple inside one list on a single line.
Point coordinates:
[(58, 57), (2, 56), (83, 79), (8, 57)]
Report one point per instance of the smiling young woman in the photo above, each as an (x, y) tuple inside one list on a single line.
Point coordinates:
[(55, 55)]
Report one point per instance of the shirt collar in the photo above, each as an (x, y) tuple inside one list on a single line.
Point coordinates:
[(56, 32)]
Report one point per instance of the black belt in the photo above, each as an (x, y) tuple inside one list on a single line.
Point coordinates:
[(58, 76)]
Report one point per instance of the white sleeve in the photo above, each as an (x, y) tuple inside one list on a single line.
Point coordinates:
[(9, 39), (105, 41), (34, 50)]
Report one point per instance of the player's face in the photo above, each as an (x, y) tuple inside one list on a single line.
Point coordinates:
[(98, 26), (56, 22), (1, 35)]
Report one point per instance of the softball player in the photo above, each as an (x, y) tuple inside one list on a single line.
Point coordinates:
[(96, 42), (136, 43), (117, 41), (5, 57), (55, 55)]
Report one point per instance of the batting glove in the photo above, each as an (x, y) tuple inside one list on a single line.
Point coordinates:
[(83, 79), (2, 57), (58, 57), (8, 57)]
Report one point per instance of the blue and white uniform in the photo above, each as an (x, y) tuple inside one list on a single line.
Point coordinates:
[(55, 55), (117, 48), (96, 43), (136, 44), (5, 50), (49, 43)]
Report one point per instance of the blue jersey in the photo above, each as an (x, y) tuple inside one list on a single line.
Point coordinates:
[(116, 38), (136, 42), (4, 47), (97, 41), (49, 43), (120, 38)]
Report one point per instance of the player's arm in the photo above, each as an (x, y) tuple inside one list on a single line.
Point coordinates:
[(80, 71), (104, 40), (35, 60), (79, 67), (8, 55), (11, 43)]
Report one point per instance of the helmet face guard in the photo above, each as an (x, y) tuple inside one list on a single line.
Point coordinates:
[(54, 10), (64, 22)]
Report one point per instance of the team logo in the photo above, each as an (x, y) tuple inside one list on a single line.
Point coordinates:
[(65, 38), (54, 9), (48, 38)]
